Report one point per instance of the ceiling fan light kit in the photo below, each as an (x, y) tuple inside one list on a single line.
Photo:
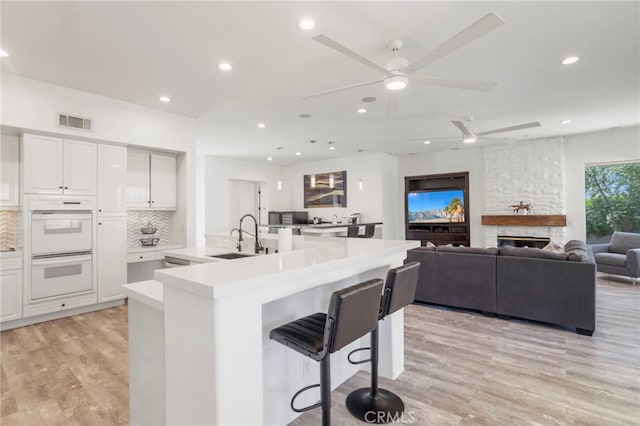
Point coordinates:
[(396, 82)]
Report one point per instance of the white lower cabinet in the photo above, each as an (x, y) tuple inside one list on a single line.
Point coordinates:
[(112, 257), (10, 292)]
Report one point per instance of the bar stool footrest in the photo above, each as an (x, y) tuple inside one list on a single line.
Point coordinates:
[(385, 407), (362, 361), (310, 407)]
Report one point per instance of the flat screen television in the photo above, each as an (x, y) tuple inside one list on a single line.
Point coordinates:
[(436, 206)]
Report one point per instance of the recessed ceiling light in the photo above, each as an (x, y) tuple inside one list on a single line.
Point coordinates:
[(306, 24), (3, 53), (261, 125), (269, 158), (298, 153), (426, 142), (332, 147), (570, 60), (361, 110), (470, 139), (565, 122), (223, 66), (165, 99)]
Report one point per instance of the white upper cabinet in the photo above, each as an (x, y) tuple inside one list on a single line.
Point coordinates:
[(163, 181), (112, 180), (43, 165), (151, 181), (80, 159), (57, 166), (10, 171)]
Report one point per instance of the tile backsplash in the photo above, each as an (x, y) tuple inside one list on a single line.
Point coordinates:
[(10, 234), (137, 219)]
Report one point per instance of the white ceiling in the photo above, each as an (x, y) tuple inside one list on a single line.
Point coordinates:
[(137, 51)]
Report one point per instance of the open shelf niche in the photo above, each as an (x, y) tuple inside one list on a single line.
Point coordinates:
[(455, 233)]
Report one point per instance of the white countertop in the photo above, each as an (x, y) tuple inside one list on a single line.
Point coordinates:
[(219, 279), (148, 292), (153, 248), (201, 254), (9, 254)]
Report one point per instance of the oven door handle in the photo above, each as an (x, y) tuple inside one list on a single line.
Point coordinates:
[(60, 260), (65, 216)]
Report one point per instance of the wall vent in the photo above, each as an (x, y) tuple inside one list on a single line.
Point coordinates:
[(75, 122)]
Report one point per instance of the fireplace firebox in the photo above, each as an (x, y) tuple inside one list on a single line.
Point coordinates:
[(522, 241)]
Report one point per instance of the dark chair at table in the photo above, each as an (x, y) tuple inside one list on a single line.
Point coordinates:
[(369, 230), (353, 312), (372, 404), (352, 231)]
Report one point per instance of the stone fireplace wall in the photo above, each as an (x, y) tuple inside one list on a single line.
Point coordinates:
[(529, 171)]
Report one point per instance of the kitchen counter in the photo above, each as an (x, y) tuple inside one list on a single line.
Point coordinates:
[(202, 254), (147, 249), (217, 317)]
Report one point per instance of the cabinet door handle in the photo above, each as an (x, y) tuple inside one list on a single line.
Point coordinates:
[(60, 187), (141, 257), (99, 223), (66, 187), (99, 210), (153, 202)]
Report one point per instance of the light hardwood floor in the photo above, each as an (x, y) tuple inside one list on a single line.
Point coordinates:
[(461, 369)]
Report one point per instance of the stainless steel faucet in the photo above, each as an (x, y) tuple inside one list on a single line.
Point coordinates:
[(258, 247)]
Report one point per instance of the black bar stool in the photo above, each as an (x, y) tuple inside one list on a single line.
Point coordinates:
[(369, 230), (375, 405), (352, 231), (353, 312)]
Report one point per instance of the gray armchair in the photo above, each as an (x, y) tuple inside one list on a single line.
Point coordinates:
[(621, 256)]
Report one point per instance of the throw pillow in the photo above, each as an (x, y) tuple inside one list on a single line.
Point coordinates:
[(531, 252), (430, 244), (554, 247)]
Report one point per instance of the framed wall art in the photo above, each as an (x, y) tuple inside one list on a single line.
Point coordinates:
[(325, 190)]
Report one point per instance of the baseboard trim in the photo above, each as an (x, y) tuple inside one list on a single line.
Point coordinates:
[(57, 315)]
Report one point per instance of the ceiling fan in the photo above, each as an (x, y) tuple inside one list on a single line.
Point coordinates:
[(470, 136), (398, 71)]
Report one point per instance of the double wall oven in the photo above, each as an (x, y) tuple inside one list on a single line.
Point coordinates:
[(62, 242)]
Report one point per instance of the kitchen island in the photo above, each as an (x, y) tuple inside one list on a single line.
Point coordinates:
[(220, 366)]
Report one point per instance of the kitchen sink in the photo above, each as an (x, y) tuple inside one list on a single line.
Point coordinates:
[(231, 255)]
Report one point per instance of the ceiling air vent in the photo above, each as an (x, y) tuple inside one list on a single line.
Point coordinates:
[(74, 122)]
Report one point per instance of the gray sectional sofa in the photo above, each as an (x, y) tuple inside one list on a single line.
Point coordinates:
[(621, 256), (533, 284)]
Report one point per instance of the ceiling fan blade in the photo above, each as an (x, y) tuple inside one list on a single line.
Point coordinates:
[(509, 129), (460, 125), (476, 30), (434, 138), (350, 53), (340, 89), (483, 86), (392, 102)]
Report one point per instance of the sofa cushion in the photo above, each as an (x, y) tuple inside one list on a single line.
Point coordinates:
[(531, 252), (621, 242), (425, 248), (471, 250), (612, 259), (578, 251)]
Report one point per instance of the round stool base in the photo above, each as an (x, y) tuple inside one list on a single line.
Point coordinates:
[(386, 407)]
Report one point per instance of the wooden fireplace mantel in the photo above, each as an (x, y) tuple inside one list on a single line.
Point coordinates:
[(525, 220)]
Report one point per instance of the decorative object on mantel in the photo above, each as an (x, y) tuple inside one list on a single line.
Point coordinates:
[(522, 207), (325, 189)]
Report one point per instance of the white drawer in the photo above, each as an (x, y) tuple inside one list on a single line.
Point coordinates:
[(10, 263), (144, 256), (59, 304)]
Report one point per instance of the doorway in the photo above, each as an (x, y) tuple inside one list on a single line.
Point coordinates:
[(247, 197)]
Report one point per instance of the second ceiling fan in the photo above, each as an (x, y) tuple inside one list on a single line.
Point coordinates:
[(470, 136), (398, 71)]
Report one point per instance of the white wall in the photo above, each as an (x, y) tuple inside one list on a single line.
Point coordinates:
[(218, 172), (462, 160), (32, 105), (621, 144), (376, 201)]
